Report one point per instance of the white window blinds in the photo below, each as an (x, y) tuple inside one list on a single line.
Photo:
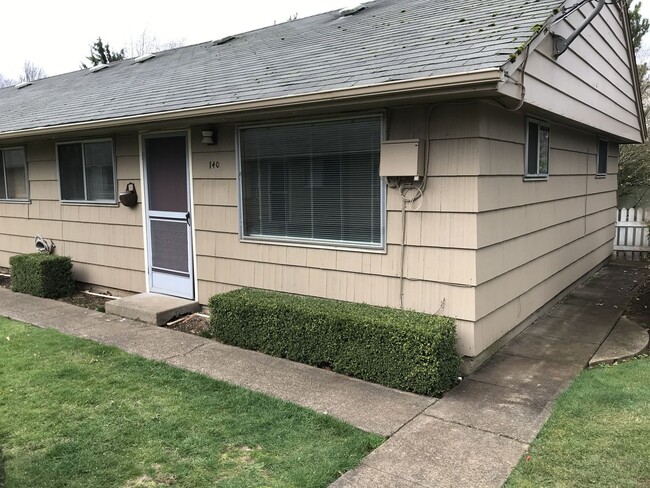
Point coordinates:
[(316, 182)]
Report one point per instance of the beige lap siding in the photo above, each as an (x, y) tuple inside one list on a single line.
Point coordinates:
[(440, 258), (592, 81), (494, 247), (536, 238), (104, 242)]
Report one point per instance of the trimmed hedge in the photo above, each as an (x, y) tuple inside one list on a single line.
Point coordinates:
[(42, 275), (397, 348)]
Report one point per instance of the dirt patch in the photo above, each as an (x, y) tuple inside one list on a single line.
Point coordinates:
[(82, 299), (639, 309), (158, 479), (192, 324)]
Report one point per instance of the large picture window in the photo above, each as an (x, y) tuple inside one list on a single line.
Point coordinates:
[(13, 174), (313, 182), (86, 171)]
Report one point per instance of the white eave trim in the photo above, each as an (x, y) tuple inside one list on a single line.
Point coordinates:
[(486, 78)]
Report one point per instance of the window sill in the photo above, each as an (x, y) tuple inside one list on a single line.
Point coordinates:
[(89, 204), (536, 178), (315, 245), (601, 176), (15, 201)]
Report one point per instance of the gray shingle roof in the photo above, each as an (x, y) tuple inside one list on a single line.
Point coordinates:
[(387, 41)]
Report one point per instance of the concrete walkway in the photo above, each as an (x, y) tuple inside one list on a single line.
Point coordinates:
[(474, 436), (370, 407)]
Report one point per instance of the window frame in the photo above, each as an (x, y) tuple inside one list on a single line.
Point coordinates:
[(85, 201), (600, 174), (537, 176), (312, 243), (4, 170)]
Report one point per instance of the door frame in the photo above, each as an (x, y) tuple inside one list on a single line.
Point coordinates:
[(144, 188)]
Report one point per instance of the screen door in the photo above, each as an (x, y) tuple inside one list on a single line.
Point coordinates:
[(169, 222)]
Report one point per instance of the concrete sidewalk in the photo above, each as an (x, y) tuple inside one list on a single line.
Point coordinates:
[(474, 436), (370, 407)]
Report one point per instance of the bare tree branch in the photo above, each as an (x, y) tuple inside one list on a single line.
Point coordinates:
[(31, 72), (6, 82), (149, 43)]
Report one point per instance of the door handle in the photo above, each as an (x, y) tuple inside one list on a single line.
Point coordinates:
[(188, 219)]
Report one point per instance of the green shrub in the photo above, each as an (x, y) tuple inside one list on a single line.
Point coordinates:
[(401, 349), (42, 275)]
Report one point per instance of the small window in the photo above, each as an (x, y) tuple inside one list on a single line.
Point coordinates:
[(537, 150), (314, 183), (603, 153), (87, 171), (13, 174)]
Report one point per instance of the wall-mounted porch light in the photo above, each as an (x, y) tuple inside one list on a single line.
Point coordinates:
[(208, 137)]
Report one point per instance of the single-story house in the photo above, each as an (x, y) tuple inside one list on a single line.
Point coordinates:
[(449, 157)]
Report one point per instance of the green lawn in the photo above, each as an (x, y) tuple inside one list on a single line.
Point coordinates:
[(77, 414), (598, 433)]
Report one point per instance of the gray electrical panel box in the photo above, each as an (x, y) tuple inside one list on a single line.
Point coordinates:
[(402, 158)]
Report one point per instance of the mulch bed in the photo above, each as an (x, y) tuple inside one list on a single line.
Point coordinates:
[(78, 298), (192, 324)]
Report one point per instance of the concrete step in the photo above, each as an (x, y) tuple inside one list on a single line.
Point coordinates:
[(626, 340), (151, 308)]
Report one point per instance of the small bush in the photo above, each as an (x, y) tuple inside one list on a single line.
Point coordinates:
[(396, 348), (42, 275)]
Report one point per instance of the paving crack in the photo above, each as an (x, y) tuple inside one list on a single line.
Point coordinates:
[(413, 417), (174, 356), (524, 443)]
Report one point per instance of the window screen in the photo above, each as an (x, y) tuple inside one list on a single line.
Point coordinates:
[(98, 158), (13, 174), (313, 182), (603, 150), (86, 171)]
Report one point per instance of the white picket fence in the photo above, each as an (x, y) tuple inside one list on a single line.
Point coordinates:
[(632, 241)]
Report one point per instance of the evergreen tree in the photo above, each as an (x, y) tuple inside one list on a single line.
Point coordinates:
[(100, 53), (638, 25)]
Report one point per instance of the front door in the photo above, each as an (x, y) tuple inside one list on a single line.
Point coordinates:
[(169, 222)]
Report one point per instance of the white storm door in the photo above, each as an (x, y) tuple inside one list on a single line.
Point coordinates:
[(169, 223)]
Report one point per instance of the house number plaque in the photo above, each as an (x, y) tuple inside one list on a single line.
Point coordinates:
[(213, 164)]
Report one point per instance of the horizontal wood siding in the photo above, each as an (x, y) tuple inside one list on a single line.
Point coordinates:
[(105, 242), (592, 81), (441, 239), (537, 237)]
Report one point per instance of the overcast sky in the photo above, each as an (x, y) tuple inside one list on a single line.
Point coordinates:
[(56, 34)]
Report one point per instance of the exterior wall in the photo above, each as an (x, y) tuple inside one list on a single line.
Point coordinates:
[(592, 82), (440, 257), (104, 241), (483, 246), (535, 238)]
